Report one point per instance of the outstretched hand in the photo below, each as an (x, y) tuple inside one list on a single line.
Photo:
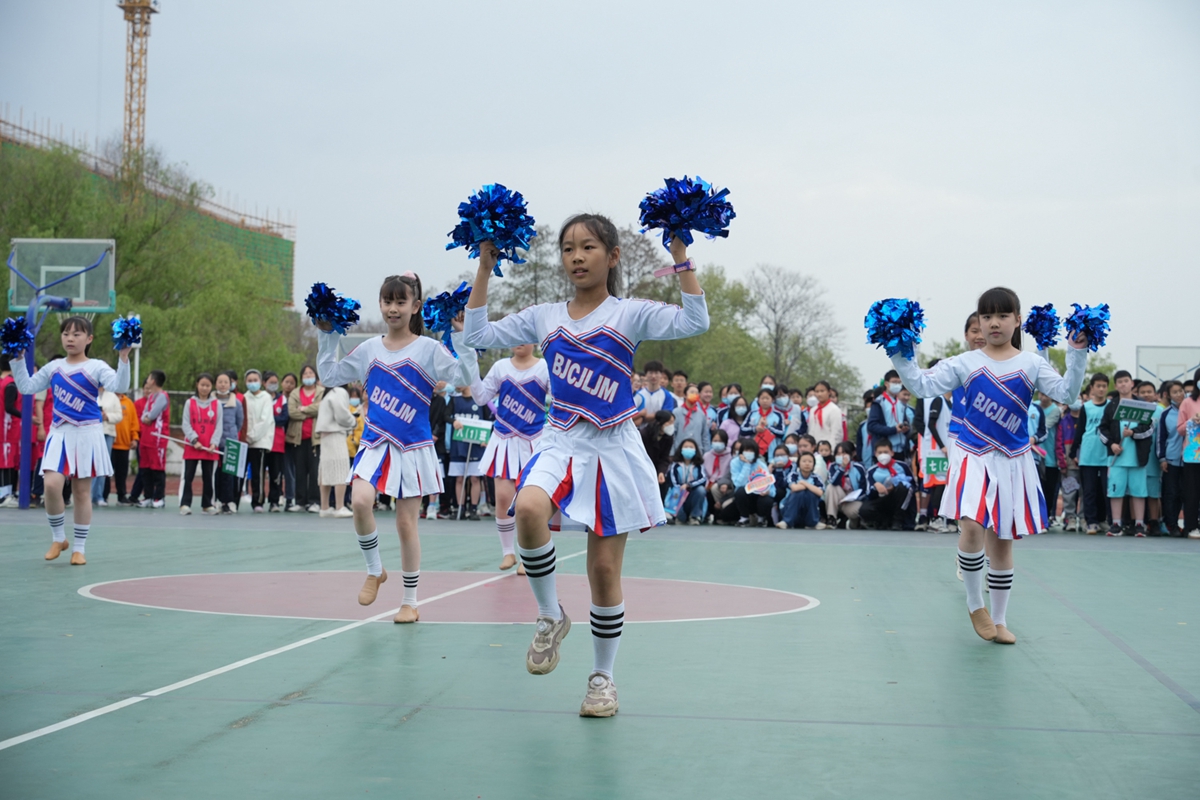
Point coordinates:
[(458, 321), (489, 255)]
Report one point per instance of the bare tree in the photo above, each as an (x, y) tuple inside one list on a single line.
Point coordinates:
[(540, 279), (790, 318), (641, 254)]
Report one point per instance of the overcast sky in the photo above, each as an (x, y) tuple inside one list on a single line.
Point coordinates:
[(920, 149)]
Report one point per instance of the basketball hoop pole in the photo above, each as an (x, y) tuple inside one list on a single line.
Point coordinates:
[(34, 324)]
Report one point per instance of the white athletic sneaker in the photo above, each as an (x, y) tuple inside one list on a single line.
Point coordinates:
[(275, 509), (601, 697), (343, 512), (231, 507), (102, 503), (295, 509), (185, 511), (210, 512), (314, 508), (144, 503), (10, 501), (158, 504), (937, 525), (325, 512), (259, 510), (542, 657), (1194, 534)]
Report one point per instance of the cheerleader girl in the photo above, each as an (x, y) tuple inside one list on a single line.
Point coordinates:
[(395, 456), (75, 446), (993, 485), (520, 386), (589, 464)]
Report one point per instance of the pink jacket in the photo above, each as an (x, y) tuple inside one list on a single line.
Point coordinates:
[(1187, 409)]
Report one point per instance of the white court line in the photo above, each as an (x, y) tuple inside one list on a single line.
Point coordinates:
[(129, 701), (86, 591)]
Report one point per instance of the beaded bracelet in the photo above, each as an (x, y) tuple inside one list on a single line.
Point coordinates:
[(686, 266)]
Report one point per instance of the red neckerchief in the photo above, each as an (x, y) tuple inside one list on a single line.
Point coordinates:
[(888, 396), (890, 467), (817, 412), (716, 467), (687, 412)]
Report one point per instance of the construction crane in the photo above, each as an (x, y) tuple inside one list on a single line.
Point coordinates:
[(137, 37)]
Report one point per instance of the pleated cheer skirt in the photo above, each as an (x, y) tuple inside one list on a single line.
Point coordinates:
[(77, 451), (505, 457), (997, 491), (600, 479), (399, 473)]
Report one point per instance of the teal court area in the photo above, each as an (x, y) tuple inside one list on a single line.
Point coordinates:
[(226, 657)]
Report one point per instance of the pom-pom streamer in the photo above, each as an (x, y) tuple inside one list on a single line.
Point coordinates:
[(687, 205), (126, 333), (324, 305), (494, 214), (16, 337), (895, 325), (439, 312), (1092, 322), (1042, 324)]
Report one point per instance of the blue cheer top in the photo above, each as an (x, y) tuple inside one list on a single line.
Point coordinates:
[(398, 384), (74, 387), (590, 360), (997, 393), (520, 398)]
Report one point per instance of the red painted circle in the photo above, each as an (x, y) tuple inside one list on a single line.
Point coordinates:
[(505, 599)]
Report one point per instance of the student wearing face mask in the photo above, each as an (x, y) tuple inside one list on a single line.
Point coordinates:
[(862, 441), (729, 395), (233, 417), (805, 443), (716, 460), (688, 481), (303, 405), (890, 504), (845, 489), (801, 508), (260, 437), (659, 438), (888, 415), (754, 492), (739, 409), (691, 421)]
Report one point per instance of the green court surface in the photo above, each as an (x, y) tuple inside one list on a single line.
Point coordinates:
[(880, 689)]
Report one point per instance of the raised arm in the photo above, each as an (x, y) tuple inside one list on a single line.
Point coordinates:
[(461, 371), (1060, 388), (333, 372), (485, 389), (942, 378), (32, 384), (113, 380)]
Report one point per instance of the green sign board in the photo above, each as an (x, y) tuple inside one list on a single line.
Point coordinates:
[(473, 431), (1136, 411), (233, 461), (937, 465)]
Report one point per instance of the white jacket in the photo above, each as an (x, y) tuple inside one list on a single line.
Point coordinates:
[(334, 415), (260, 420), (110, 404)]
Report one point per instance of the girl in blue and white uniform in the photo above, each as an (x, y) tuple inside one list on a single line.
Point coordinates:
[(520, 386), (993, 488), (75, 445), (589, 465), (395, 455)]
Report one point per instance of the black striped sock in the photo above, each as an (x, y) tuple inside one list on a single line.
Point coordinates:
[(1000, 583), (57, 526), (539, 568), (410, 587), (607, 624), (81, 534), (972, 566), (370, 549)]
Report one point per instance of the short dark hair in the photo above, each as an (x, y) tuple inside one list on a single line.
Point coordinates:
[(806, 437), (203, 376), (1099, 377), (679, 372), (1122, 373), (749, 444), (973, 318), (813, 456), (654, 366), (846, 446), (882, 443), (603, 229), (158, 376), (891, 373)]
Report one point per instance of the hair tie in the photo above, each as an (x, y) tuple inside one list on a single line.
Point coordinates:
[(412, 276)]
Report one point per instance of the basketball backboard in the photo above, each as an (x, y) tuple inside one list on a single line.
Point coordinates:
[(42, 262), (1160, 364)]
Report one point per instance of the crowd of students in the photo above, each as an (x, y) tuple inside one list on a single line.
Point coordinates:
[(780, 456)]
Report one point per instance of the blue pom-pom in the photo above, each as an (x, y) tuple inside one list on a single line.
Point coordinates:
[(494, 214), (895, 325), (323, 305), (16, 337), (1042, 324), (687, 205), (439, 311), (1092, 322), (126, 332)]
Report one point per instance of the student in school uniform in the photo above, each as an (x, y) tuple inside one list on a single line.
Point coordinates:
[(1089, 452), (1128, 445)]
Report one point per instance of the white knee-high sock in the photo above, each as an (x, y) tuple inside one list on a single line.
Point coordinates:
[(57, 523), (1000, 582), (410, 587), (539, 568), (972, 570), (370, 550), (81, 534), (607, 624), (507, 528)]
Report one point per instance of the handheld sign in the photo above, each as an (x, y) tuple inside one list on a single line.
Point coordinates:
[(937, 465), (1136, 411), (473, 431), (233, 461)]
